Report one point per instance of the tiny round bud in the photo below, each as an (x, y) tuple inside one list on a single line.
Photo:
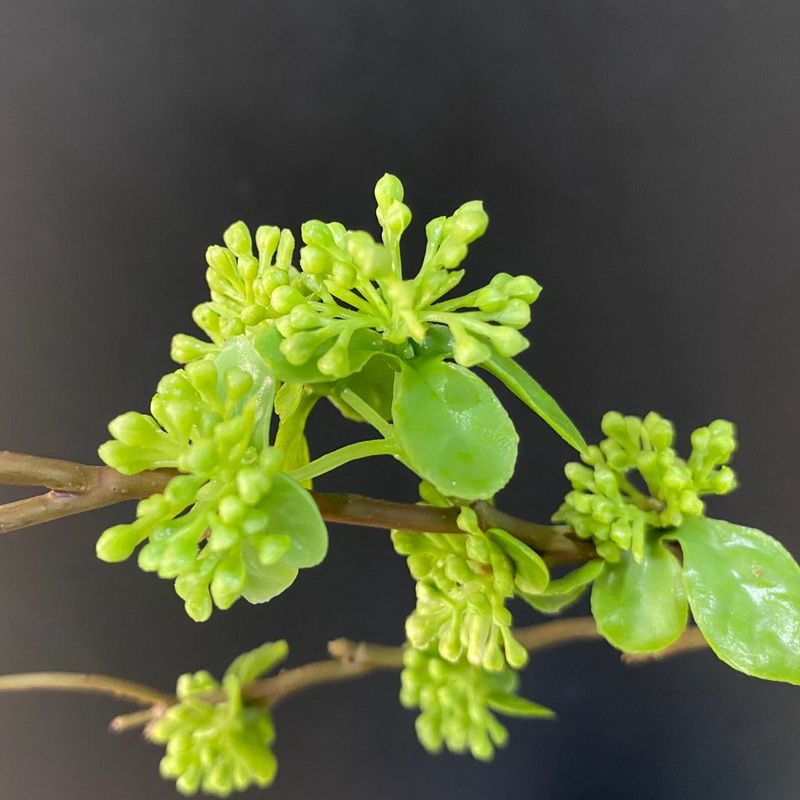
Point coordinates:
[(314, 260), (267, 237), (284, 299), (315, 232)]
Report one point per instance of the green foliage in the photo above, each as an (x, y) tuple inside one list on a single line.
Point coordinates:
[(341, 320), (744, 592), (527, 389), (348, 283), (458, 702), (640, 607), (606, 507), (220, 746), (233, 524), (453, 429), (463, 583)]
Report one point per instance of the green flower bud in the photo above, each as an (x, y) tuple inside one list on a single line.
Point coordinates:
[(315, 232), (388, 190), (315, 260), (237, 238)]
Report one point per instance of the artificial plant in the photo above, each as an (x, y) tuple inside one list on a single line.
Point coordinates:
[(223, 473)]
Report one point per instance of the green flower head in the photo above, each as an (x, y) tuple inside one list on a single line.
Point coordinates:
[(606, 506), (233, 524), (220, 746), (348, 284), (458, 702)]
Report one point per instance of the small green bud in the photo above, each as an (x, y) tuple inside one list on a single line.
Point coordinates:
[(315, 232), (273, 547), (223, 261), (237, 238), (267, 237), (387, 190), (285, 298), (314, 260)]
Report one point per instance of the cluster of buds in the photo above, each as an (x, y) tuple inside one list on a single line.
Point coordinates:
[(221, 528), (347, 283), (605, 506), (219, 746), (463, 583), (242, 286), (458, 702)]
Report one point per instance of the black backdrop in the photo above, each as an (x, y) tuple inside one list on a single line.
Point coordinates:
[(639, 158)]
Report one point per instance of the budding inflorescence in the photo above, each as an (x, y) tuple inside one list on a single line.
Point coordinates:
[(348, 283), (212, 529), (219, 746), (463, 584), (458, 702), (607, 507)]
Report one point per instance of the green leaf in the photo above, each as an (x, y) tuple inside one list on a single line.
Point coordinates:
[(744, 592), (531, 573), (293, 404), (239, 352), (263, 583), (363, 345), (253, 664), (374, 384), (562, 592), (511, 705), (453, 429), (518, 381), (641, 608), (293, 512)]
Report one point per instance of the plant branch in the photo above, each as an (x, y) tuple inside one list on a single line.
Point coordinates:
[(351, 660), (87, 683), (76, 488)]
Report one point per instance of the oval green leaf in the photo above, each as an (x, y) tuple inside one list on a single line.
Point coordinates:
[(744, 592), (453, 429), (641, 608), (293, 512), (527, 389)]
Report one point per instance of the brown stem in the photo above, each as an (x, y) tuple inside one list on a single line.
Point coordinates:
[(85, 682), (76, 488), (353, 659)]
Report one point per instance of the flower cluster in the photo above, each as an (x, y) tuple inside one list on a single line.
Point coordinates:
[(233, 524), (457, 701), (604, 505), (463, 583), (219, 746), (348, 284)]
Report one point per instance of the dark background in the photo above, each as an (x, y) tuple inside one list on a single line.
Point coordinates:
[(640, 159)]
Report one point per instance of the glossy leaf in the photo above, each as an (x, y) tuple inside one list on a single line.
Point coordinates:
[(239, 352), (293, 512), (744, 592), (253, 664), (374, 384), (363, 345), (512, 705), (530, 571), (453, 429), (527, 389), (564, 591), (641, 608)]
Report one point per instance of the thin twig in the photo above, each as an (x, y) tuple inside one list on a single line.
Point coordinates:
[(351, 660), (76, 488), (88, 683)]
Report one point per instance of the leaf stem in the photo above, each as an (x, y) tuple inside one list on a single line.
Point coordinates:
[(369, 414), (337, 458)]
